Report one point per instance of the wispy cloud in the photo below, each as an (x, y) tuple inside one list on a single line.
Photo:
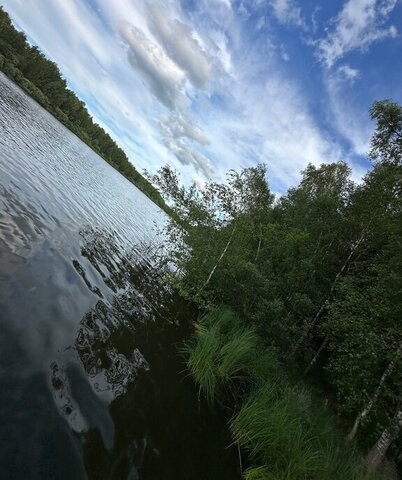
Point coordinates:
[(268, 120), (348, 73), (347, 118), (179, 135), (288, 12), (356, 27)]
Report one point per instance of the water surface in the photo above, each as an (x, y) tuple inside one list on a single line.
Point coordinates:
[(92, 385)]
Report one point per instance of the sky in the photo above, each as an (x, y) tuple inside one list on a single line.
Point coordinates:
[(211, 85)]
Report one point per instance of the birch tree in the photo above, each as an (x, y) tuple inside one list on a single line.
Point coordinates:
[(380, 448), (373, 399), (216, 225)]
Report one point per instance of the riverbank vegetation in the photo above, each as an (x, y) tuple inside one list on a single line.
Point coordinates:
[(274, 416), (28, 67), (301, 340)]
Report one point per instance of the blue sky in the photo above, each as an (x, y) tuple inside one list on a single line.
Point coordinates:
[(210, 85)]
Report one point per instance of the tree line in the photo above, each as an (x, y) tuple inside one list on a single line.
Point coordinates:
[(27, 66), (316, 274)]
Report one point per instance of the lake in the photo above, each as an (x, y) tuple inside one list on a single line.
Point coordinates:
[(92, 381)]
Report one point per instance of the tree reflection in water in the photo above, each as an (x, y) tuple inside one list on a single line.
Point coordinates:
[(121, 385)]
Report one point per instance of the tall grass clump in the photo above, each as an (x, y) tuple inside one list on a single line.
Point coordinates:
[(221, 354), (286, 432), (202, 361), (270, 427), (288, 437)]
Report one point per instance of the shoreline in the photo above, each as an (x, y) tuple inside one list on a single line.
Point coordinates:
[(164, 208), (76, 132)]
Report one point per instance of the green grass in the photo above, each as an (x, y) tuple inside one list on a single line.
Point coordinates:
[(287, 434), (222, 354), (236, 354), (278, 431), (202, 360)]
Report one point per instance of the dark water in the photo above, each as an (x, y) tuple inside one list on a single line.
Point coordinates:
[(91, 382)]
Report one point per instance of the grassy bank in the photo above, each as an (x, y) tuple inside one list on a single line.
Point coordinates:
[(285, 433)]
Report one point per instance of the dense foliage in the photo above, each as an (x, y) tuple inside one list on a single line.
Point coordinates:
[(316, 274), (39, 77)]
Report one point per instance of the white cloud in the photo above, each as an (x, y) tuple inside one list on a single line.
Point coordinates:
[(189, 156), (284, 54), (178, 126), (268, 122), (356, 27), (194, 92), (261, 22), (179, 135), (163, 77), (165, 65), (314, 19), (179, 42), (221, 52), (227, 3), (291, 137), (288, 11), (348, 73), (345, 115)]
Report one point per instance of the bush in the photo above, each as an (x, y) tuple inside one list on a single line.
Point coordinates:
[(34, 91), (12, 71)]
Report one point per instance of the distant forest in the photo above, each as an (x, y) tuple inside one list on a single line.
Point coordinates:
[(27, 66)]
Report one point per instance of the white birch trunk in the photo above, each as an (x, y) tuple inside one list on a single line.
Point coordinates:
[(311, 324), (379, 450), (259, 245), (366, 410), (317, 355), (220, 258)]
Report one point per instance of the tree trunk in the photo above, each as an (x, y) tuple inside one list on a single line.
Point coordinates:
[(259, 245), (366, 410), (379, 450), (220, 258), (316, 356), (307, 328), (311, 324)]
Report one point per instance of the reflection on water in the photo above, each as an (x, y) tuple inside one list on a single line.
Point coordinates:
[(114, 402), (92, 385)]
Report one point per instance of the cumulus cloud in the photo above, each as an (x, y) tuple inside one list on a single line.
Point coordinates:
[(180, 43), (163, 77), (179, 126), (186, 155), (179, 133), (357, 26), (166, 58)]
